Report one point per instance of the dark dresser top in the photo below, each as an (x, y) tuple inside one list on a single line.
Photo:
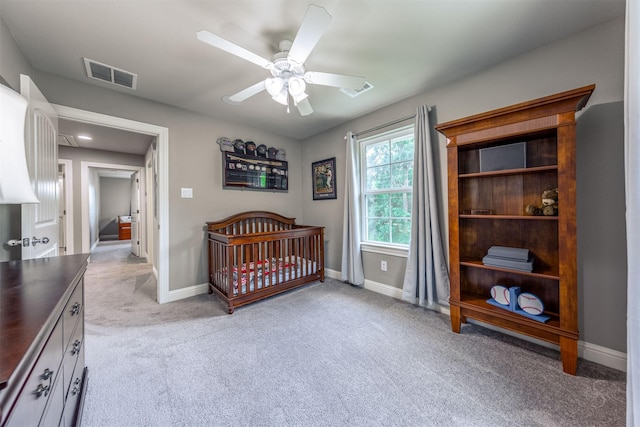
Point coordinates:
[(31, 293)]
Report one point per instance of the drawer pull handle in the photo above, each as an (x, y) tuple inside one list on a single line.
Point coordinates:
[(75, 309), (41, 390), (76, 387), (76, 347), (47, 374)]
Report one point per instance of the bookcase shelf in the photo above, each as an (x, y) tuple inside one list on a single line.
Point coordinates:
[(508, 172), (514, 217), (487, 208), (547, 274)]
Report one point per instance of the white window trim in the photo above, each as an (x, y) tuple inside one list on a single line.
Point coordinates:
[(392, 249), (401, 251)]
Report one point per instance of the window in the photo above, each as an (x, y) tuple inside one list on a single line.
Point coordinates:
[(387, 187)]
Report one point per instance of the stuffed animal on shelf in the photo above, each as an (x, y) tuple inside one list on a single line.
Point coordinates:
[(549, 205)]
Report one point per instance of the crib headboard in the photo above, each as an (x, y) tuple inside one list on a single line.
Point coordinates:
[(252, 222)]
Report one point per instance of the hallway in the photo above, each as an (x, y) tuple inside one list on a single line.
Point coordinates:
[(120, 289)]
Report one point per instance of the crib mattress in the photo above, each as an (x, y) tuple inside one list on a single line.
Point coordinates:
[(262, 273)]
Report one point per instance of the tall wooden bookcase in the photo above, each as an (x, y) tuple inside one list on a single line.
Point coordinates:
[(487, 208)]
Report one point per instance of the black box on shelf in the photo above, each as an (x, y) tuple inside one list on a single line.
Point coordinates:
[(510, 156)]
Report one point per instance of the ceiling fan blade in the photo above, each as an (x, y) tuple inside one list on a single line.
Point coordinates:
[(304, 107), (336, 80), (244, 94), (232, 48), (315, 22)]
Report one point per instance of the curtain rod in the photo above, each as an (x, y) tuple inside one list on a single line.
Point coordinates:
[(385, 125)]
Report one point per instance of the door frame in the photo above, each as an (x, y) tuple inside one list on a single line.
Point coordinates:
[(68, 204), (161, 247), (85, 167), (138, 245)]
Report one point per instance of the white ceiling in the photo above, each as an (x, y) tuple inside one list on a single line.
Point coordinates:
[(402, 47)]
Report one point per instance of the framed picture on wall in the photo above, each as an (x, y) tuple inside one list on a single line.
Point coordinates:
[(323, 176)]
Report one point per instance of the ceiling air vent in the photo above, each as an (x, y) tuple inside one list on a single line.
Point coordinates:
[(110, 74), (67, 141), (355, 92)]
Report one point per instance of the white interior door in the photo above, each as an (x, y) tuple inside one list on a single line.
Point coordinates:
[(62, 213), (135, 214), (40, 221), (148, 212)]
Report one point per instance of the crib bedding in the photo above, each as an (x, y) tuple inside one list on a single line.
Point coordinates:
[(260, 274)]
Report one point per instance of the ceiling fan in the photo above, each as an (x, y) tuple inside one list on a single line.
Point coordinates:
[(289, 77)]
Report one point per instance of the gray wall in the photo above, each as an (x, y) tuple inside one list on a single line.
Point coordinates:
[(593, 56), (10, 224), (602, 256), (115, 200)]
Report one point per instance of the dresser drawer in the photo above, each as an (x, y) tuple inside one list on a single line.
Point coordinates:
[(73, 350), (53, 413), (40, 383), (74, 395), (72, 312)]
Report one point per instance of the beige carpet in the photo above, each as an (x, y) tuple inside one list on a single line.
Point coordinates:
[(325, 355)]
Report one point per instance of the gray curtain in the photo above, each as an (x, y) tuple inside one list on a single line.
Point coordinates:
[(352, 270), (632, 186), (426, 278)]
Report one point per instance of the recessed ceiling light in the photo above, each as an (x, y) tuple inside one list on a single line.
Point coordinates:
[(85, 137)]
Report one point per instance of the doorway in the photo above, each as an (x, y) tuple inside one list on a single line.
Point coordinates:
[(160, 236), (91, 182)]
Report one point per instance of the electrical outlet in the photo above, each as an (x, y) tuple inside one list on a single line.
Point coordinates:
[(383, 265)]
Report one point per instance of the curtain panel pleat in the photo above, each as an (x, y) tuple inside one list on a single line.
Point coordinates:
[(352, 269), (632, 188), (426, 279)]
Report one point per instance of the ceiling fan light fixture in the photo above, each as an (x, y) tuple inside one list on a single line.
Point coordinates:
[(274, 85), (282, 97), (297, 86)]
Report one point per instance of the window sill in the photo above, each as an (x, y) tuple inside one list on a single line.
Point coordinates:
[(397, 251)]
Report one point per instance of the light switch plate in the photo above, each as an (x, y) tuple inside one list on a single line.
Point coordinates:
[(186, 193)]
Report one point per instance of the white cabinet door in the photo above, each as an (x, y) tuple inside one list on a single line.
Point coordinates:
[(40, 221)]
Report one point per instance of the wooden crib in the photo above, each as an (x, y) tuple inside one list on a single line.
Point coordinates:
[(257, 254)]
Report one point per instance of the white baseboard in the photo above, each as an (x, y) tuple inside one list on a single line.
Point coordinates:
[(187, 292), (603, 355), (332, 274), (587, 351)]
